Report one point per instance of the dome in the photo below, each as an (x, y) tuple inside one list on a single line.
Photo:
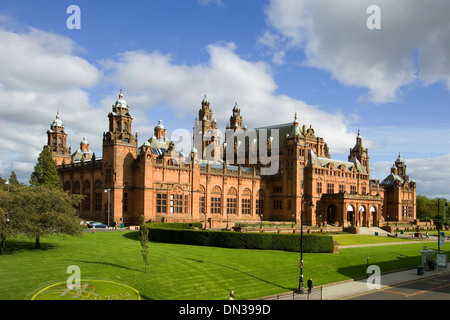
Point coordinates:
[(84, 141), (159, 125), (121, 101), (57, 122), (399, 159)]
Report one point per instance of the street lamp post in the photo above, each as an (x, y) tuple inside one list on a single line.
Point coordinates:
[(205, 219), (439, 223), (227, 221), (109, 192), (300, 283)]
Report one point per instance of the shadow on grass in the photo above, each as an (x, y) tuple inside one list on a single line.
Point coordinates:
[(110, 265), (132, 235), (359, 271), (16, 246), (243, 272)]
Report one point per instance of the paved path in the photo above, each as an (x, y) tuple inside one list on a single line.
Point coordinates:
[(354, 287)]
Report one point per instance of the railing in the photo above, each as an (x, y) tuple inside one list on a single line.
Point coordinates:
[(315, 294)]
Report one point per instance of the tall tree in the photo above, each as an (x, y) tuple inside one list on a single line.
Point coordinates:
[(13, 178), (45, 172), (143, 237)]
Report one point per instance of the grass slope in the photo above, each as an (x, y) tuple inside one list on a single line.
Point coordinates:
[(183, 272)]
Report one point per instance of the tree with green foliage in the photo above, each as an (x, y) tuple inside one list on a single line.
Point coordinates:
[(13, 178), (428, 208), (45, 172), (143, 237), (7, 228), (39, 211)]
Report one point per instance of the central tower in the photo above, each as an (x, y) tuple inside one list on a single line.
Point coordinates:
[(119, 153)]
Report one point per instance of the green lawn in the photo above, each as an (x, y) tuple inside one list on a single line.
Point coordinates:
[(183, 271), (352, 239)]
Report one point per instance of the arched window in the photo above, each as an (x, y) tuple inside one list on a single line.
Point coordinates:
[(76, 187), (87, 196), (98, 196), (67, 186), (246, 201), (216, 200), (260, 202), (231, 201), (178, 201)]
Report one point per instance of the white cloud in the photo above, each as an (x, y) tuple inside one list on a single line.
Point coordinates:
[(41, 74), (431, 174), (410, 47), (208, 2), (42, 61), (153, 79)]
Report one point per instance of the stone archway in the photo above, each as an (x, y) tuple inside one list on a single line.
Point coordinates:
[(373, 215), (351, 215), (362, 216), (332, 214)]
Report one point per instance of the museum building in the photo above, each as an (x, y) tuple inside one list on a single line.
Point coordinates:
[(155, 180)]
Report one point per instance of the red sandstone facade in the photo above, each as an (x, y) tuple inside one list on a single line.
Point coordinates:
[(156, 181)]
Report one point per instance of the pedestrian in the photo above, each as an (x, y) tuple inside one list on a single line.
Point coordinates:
[(310, 285), (115, 225), (231, 295)]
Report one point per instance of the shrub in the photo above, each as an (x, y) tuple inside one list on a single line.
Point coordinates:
[(268, 241)]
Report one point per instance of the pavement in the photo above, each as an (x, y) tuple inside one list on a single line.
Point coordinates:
[(354, 287)]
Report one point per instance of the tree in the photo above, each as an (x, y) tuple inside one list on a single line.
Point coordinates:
[(143, 237), (13, 178), (45, 172), (40, 211), (6, 226)]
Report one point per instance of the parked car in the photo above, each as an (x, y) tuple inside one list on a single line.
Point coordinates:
[(96, 225)]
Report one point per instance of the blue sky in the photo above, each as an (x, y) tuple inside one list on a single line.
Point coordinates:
[(272, 57)]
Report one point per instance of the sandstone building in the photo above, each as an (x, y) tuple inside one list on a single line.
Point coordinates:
[(155, 180)]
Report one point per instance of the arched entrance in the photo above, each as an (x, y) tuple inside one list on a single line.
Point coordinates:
[(332, 216), (351, 215), (362, 217), (373, 214)]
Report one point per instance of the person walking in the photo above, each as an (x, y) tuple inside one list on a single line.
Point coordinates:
[(310, 285)]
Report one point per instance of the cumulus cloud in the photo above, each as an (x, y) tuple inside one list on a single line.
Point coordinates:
[(41, 75), (153, 79), (411, 46), (44, 75), (430, 181), (42, 61)]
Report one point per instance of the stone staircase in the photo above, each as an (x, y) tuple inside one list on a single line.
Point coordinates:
[(372, 230)]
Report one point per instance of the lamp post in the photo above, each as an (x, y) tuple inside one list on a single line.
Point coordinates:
[(109, 192), (205, 219), (300, 283), (439, 223), (261, 215), (227, 221)]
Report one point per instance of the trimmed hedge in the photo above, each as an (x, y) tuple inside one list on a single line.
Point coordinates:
[(268, 241), (175, 225)]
